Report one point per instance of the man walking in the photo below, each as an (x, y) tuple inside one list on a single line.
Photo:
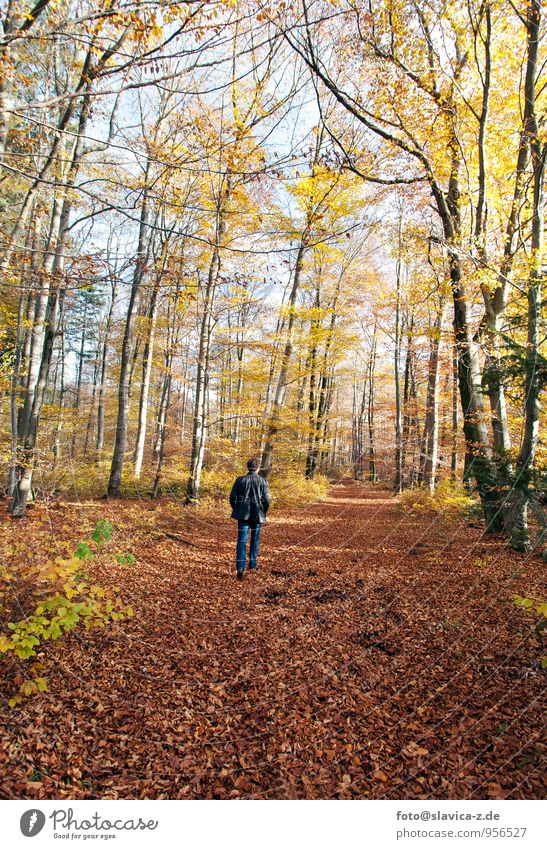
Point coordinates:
[(250, 500)]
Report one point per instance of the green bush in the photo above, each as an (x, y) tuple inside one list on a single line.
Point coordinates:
[(56, 597)]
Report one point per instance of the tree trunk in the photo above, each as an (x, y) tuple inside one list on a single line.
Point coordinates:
[(102, 380), (455, 417), (37, 334), (145, 384), (474, 423), (79, 378), (89, 426), (479, 463), (22, 491), (398, 483), (184, 399), (199, 421), (430, 440), (311, 457), (370, 410), (30, 424), (59, 427), (120, 441), (165, 397), (408, 404), (274, 419), (270, 382), (516, 519), (13, 394)]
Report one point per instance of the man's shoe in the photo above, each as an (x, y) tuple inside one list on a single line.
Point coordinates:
[(240, 576)]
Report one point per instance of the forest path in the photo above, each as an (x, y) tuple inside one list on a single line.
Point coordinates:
[(374, 654)]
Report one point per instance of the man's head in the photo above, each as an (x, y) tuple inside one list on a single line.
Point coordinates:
[(253, 464)]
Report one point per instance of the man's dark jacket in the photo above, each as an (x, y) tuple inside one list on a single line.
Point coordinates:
[(250, 498)]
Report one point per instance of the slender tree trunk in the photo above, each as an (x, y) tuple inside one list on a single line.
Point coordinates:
[(408, 404), (120, 441), (162, 421), (455, 417), (516, 507), (146, 373), (370, 411), (199, 422), (474, 424), (29, 433), (496, 300), (22, 490), (239, 391), (413, 424), (323, 451), (270, 382), (184, 398), (359, 417), (102, 380), (398, 484), (165, 398), (240, 355), (91, 413), (515, 512), (311, 457), (37, 334), (13, 394), (479, 462), (59, 427), (274, 419), (79, 378), (36, 282), (430, 440)]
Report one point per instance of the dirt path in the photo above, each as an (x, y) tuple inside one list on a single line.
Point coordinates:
[(374, 654)]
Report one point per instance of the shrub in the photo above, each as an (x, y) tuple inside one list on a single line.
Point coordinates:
[(217, 483), (293, 489), (288, 488), (55, 597), (538, 609), (449, 499), (91, 480)]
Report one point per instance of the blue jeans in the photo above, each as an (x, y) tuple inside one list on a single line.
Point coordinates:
[(242, 534)]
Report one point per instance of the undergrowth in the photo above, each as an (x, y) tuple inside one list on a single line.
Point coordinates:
[(43, 599), (450, 499)]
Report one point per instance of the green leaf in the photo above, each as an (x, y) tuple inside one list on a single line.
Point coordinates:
[(83, 551), (102, 532), (126, 559)]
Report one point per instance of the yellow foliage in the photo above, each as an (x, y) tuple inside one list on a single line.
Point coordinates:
[(217, 483), (293, 490), (57, 597), (449, 499)]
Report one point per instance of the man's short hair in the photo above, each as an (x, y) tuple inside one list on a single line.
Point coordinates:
[(253, 464)]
